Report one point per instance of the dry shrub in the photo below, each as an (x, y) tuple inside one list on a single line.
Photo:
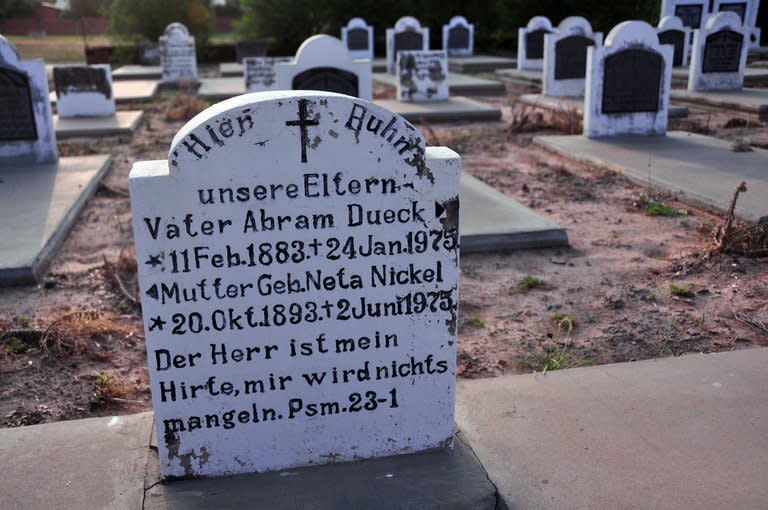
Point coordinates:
[(568, 121), (524, 119), (122, 276), (735, 122), (77, 334), (185, 105)]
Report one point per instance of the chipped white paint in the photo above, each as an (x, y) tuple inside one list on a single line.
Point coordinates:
[(404, 24), (675, 24), (526, 59), (325, 51), (178, 56), (629, 35), (422, 76), (282, 224), (568, 87), (702, 79), (260, 73), (467, 50), (84, 99), (354, 25), (24, 149)]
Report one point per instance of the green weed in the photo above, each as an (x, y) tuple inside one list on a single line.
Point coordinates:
[(529, 282), (676, 290)]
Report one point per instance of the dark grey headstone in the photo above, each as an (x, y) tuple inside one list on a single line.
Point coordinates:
[(81, 79), (409, 40), (722, 52), (677, 39), (534, 43), (458, 38), (149, 54), (739, 8), (245, 49), (328, 79), (689, 14), (17, 119), (632, 81), (571, 57), (357, 39)]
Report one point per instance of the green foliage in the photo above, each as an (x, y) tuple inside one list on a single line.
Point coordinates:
[(85, 8), (676, 290), (529, 282), (655, 208), (145, 20), (474, 321), (17, 8), (14, 345), (556, 359)]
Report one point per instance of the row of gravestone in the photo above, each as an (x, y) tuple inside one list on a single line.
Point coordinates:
[(718, 59), (694, 13)]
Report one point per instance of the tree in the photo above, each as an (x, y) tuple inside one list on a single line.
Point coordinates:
[(17, 8), (81, 9), (145, 20)]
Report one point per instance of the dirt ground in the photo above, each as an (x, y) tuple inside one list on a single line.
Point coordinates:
[(631, 286)]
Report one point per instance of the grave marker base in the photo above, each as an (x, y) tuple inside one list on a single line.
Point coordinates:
[(745, 100), (458, 84), (122, 123), (454, 109), (562, 104)]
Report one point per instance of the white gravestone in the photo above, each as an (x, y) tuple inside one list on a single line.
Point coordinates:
[(260, 72), (26, 122), (323, 63), (422, 76), (357, 37), (672, 31), (298, 267), (407, 34), (84, 91), (530, 44), (177, 54), (747, 11), (719, 54), (459, 37), (693, 13), (628, 82), (565, 57)]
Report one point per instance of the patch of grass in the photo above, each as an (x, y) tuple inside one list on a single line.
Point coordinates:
[(606, 281), (23, 320), (564, 321), (14, 345), (677, 290), (652, 297), (529, 282), (516, 317), (557, 359), (656, 208), (474, 321)]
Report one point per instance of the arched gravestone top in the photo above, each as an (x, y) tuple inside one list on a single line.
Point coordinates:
[(357, 35), (692, 13), (565, 57), (329, 54), (9, 57), (719, 54), (739, 8), (672, 31), (328, 79), (458, 37), (176, 29), (324, 157), (530, 43), (407, 34)]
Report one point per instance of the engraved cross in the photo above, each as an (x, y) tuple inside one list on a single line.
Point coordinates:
[(303, 122)]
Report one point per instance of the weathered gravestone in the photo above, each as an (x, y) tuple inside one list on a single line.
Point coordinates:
[(26, 130), (628, 82), (693, 13), (245, 49), (422, 76), (260, 72), (747, 11), (719, 54), (357, 36), (530, 43), (565, 57), (177, 54), (298, 266), (84, 91), (672, 31), (322, 62), (407, 34), (459, 37)]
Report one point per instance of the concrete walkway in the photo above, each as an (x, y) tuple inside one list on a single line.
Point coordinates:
[(674, 433)]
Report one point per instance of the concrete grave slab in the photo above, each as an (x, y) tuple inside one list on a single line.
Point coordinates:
[(478, 63), (129, 91), (217, 89), (458, 84), (357, 37), (700, 170), (754, 76), (759, 53), (137, 72), (46, 200), (490, 221), (455, 108), (379, 65), (745, 100), (229, 69), (672, 433), (576, 104), (521, 77), (123, 122), (530, 43)]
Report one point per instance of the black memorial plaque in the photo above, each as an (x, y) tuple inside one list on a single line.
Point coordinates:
[(328, 79), (17, 117), (458, 38), (81, 79), (409, 40), (632, 81), (689, 14), (245, 49), (534, 44), (677, 39), (571, 57), (357, 39), (722, 52), (739, 8)]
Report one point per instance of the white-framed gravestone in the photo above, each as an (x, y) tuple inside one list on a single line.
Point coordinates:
[(178, 56), (322, 62), (84, 91), (357, 37), (407, 34), (672, 31), (693, 13), (719, 54), (260, 72), (459, 37), (298, 263), (422, 76), (565, 57), (747, 11), (26, 128), (628, 83), (530, 43)]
